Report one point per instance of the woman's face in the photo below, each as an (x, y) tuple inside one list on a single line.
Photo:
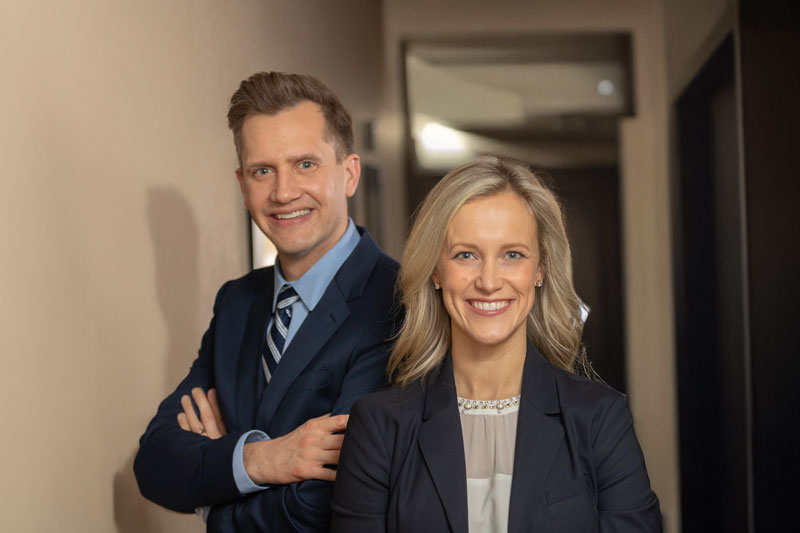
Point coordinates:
[(488, 269)]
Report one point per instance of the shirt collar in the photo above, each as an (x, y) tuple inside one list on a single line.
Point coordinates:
[(312, 285)]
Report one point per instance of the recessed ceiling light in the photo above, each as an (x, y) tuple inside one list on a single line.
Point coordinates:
[(440, 138), (605, 87)]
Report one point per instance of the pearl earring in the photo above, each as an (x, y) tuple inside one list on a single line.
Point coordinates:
[(436, 286), (539, 283)]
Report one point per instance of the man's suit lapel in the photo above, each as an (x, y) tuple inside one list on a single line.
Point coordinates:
[(317, 329), (320, 325), (539, 437), (442, 446), (249, 374)]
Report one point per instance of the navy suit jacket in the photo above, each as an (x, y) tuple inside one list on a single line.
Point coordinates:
[(338, 355), (577, 464)]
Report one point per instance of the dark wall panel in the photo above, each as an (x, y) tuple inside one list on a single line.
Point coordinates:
[(709, 296), (770, 89)]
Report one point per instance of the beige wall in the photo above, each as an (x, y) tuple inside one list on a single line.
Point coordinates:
[(120, 219), (645, 198)]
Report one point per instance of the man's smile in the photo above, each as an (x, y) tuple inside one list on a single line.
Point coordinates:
[(293, 214)]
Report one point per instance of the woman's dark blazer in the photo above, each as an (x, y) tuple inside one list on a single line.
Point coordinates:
[(577, 464)]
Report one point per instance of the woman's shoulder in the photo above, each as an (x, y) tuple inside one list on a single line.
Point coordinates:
[(394, 414), (592, 411), (571, 390), (394, 400), (579, 392)]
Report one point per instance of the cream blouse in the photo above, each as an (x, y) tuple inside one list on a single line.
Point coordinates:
[(490, 430)]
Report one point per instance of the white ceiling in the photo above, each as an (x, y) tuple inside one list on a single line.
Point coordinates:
[(512, 94), (550, 99)]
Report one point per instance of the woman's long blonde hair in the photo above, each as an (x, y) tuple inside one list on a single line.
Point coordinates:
[(554, 325)]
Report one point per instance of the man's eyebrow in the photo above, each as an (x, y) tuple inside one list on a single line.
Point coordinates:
[(306, 157), (257, 164)]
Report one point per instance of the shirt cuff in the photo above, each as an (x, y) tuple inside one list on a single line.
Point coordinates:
[(202, 512), (243, 481)]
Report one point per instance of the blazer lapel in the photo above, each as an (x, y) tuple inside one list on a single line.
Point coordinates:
[(317, 329), (320, 325), (249, 373), (539, 437), (442, 446)]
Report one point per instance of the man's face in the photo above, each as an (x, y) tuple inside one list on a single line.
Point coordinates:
[(293, 186)]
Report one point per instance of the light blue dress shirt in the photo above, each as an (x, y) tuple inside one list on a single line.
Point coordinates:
[(310, 288)]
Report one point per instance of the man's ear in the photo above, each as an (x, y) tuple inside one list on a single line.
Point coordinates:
[(242, 185), (352, 168)]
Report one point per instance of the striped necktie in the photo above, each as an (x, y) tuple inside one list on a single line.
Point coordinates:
[(276, 337)]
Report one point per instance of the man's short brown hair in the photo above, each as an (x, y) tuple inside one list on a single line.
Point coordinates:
[(269, 93)]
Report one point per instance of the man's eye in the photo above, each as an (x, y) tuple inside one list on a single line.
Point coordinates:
[(262, 171), (306, 164)]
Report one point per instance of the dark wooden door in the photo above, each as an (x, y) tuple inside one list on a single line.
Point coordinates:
[(709, 303)]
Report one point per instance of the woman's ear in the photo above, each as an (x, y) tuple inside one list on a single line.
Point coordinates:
[(540, 275)]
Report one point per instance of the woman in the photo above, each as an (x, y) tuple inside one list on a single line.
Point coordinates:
[(488, 427)]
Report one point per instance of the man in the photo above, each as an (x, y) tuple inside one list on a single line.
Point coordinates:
[(289, 348)]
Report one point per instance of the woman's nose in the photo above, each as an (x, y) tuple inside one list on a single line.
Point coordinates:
[(489, 280)]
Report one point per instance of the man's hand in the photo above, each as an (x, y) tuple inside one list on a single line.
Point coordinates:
[(210, 421), (299, 455)]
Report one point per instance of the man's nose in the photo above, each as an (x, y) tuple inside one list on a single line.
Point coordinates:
[(284, 188)]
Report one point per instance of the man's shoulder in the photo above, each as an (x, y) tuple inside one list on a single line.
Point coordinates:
[(384, 272), (368, 271), (368, 249), (387, 264), (247, 287), (255, 280)]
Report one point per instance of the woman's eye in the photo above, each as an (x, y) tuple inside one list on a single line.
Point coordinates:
[(465, 255), (515, 255)]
